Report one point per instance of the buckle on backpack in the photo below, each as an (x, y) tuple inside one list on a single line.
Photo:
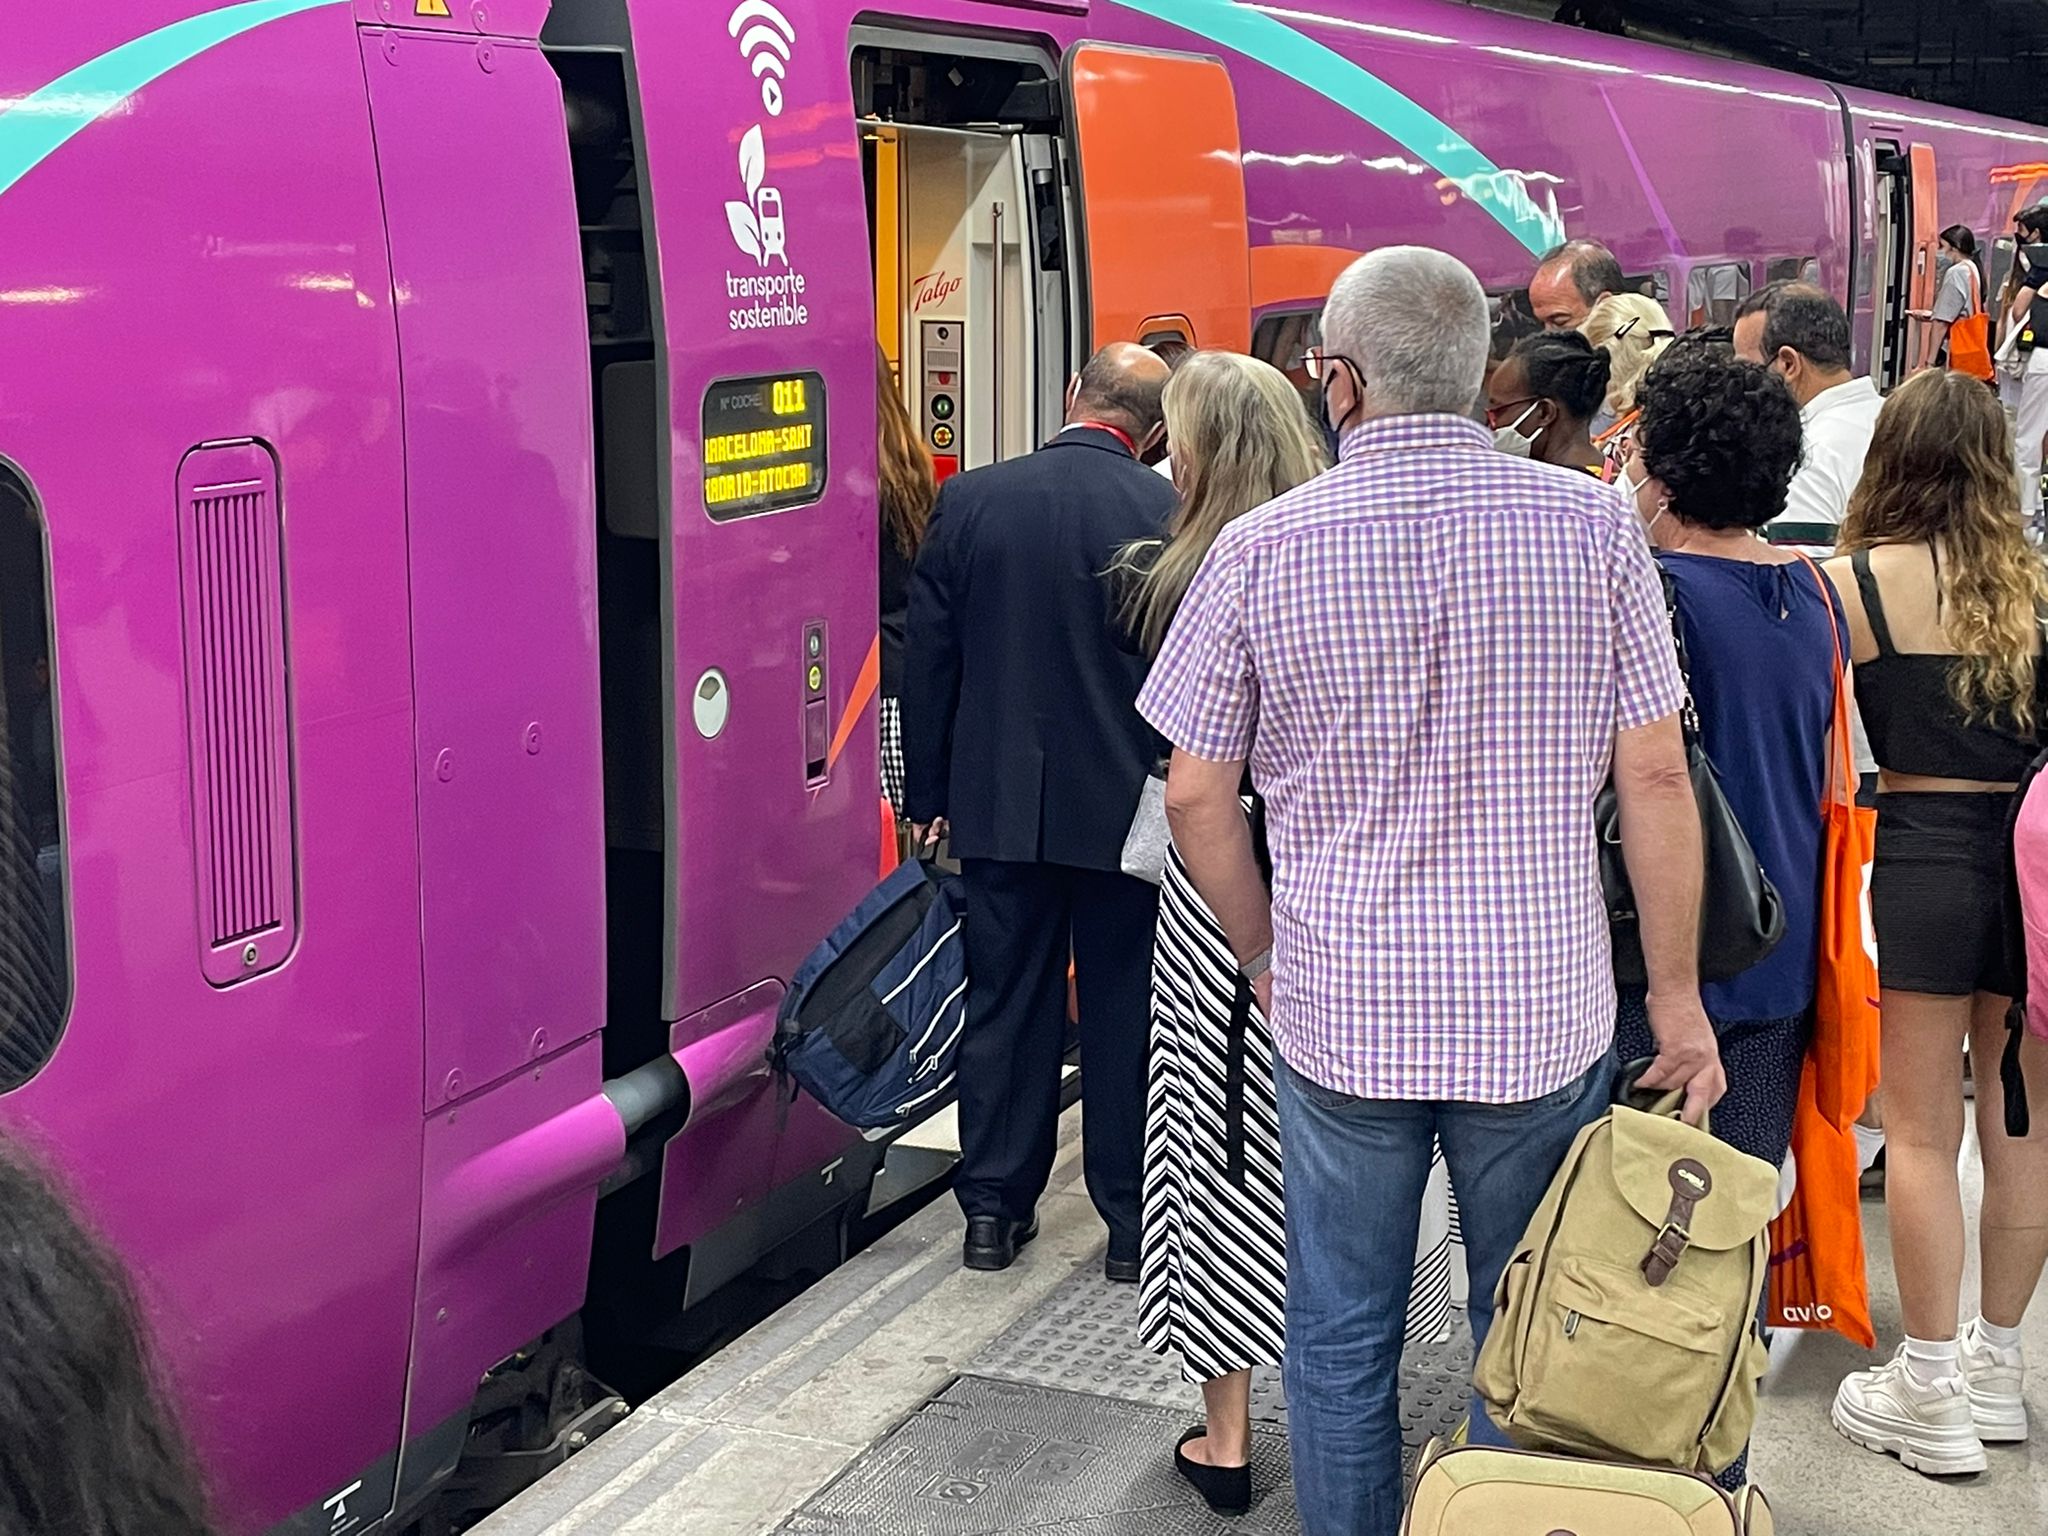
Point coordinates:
[(1690, 1184), (1665, 1253)]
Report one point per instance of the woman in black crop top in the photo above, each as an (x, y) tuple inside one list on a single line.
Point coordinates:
[(1943, 595)]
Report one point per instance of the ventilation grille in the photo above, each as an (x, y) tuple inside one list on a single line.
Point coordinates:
[(236, 706)]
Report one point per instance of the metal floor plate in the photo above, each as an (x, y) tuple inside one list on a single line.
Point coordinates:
[(1064, 1425), (988, 1456), (1084, 1338)]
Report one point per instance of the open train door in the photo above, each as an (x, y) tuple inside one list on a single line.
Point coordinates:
[(1908, 242), (1926, 226), (1166, 245)]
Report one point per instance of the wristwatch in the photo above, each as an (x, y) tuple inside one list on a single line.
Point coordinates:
[(1258, 965)]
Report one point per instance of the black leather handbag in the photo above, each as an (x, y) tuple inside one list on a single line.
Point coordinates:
[(1742, 917)]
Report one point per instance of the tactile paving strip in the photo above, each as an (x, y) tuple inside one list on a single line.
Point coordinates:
[(1084, 1338), (989, 1456)]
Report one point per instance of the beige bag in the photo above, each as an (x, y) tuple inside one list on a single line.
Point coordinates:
[(1625, 1324), (1478, 1490)]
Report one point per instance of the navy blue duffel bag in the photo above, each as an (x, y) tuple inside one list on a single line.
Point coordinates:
[(872, 1021)]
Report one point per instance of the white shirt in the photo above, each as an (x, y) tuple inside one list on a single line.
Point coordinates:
[(1837, 425)]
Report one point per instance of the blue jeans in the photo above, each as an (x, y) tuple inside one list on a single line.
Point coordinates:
[(1355, 1173)]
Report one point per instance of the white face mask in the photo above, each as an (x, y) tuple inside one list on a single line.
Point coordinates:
[(1510, 439), (1631, 492)]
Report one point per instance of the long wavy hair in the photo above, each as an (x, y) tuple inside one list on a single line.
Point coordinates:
[(88, 1444), (1940, 472), (1241, 436), (906, 484)]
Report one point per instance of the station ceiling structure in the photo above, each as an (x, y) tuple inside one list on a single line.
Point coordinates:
[(1987, 55)]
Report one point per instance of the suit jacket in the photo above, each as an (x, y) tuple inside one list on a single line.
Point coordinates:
[(1020, 720)]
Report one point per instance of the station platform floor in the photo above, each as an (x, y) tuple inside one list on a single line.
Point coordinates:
[(905, 1396)]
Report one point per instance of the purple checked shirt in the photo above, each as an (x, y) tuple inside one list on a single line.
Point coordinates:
[(1426, 654)]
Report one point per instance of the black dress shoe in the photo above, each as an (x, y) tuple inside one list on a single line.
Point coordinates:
[(1227, 1490), (993, 1241), (1120, 1270)]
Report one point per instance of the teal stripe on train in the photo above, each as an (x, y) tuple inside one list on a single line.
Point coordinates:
[(1269, 41), (38, 125)]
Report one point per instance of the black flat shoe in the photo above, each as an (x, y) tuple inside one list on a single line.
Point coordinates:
[(992, 1242), (1227, 1490), (1120, 1271)]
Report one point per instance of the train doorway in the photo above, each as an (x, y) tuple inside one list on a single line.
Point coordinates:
[(971, 305), (971, 227), (1908, 237), (1024, 212)]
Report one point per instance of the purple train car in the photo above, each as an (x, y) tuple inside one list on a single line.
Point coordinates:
[(437, 570)]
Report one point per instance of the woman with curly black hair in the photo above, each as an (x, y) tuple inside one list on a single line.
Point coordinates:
[(88, 1446), (1715, 449), (1541, 401)]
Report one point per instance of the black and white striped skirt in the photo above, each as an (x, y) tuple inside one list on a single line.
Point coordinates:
[(891, 719), (1213, 1278)]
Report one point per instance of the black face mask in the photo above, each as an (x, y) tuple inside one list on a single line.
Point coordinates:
[(1336, 428)]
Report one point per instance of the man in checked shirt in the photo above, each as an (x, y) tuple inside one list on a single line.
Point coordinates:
[(1430, 656)]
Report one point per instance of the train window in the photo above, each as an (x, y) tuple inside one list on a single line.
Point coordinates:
[(1509, 318), (1283, 340), (35, 973), (1714, 293), (1792, 269)]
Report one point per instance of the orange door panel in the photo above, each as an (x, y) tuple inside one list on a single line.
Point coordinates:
[(1926, 228), (1143, 171)]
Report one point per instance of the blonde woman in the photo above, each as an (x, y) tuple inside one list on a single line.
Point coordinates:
[(1943, 596), (1213, 1263), (1633, 331)]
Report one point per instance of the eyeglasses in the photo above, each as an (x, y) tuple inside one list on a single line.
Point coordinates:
[(1494, 413), (1322, 364)]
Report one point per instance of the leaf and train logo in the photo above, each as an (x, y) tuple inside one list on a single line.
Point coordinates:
[(757, 224)]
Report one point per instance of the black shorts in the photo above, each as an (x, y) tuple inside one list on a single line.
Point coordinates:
[(1937, 893)]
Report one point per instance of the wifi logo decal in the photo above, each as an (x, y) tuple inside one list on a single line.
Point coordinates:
[(767, 42)]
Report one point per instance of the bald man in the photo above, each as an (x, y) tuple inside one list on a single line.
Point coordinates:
[(1569, 281), (1021, 734)]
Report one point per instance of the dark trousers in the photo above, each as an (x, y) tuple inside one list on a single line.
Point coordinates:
[(1023, 920)]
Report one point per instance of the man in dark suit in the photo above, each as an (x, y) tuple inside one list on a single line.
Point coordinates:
[(1020, 731)]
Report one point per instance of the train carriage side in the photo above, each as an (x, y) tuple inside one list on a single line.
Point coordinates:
[(1496, 137), (208, 714)]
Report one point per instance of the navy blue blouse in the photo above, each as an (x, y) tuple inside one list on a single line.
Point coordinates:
[(1763, 678)]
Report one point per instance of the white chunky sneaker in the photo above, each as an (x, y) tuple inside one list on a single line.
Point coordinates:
[(1929, 1428), (1995, 1377)]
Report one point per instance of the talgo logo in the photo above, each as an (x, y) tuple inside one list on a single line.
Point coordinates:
[(933, 288), (767, 42), (757, 225)]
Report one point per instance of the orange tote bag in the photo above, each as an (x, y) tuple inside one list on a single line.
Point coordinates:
[(1969, 339), (1817, 1269), (1844, 1045), (1817, 1274)]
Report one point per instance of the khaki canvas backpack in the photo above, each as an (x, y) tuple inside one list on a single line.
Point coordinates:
[(1478, 1490), (1625, 1324)]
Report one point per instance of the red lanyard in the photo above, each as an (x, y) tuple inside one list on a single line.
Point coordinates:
[(1130, 443)]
